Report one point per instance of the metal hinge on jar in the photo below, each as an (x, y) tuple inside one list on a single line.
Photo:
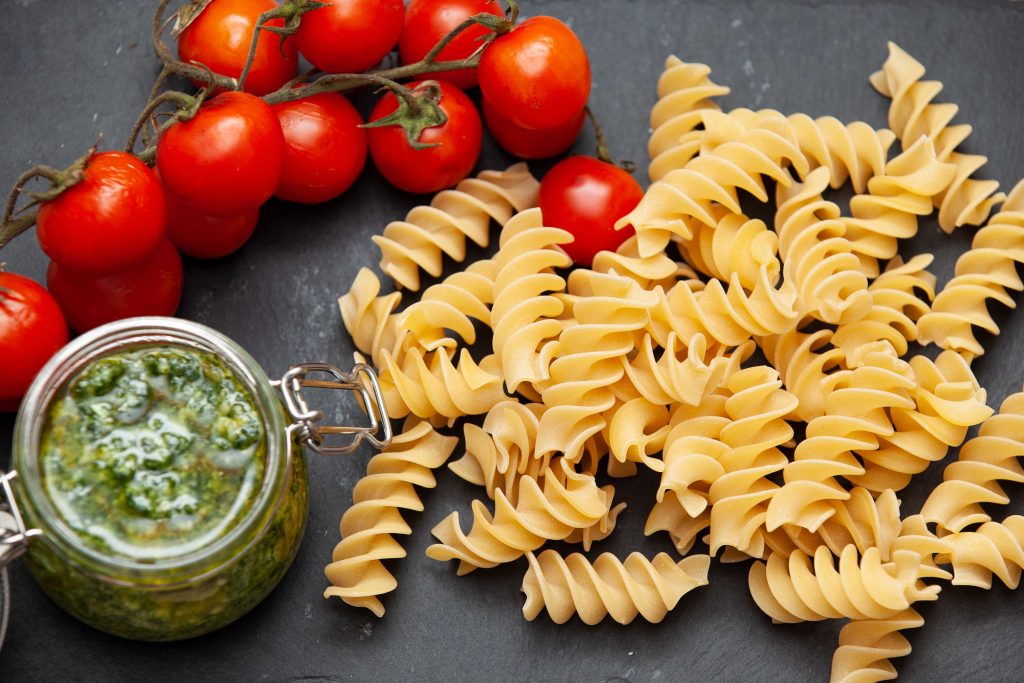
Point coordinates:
[(362, 380), (14, 537)]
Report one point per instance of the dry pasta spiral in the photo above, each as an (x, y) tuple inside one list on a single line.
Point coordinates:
[(369, 317), (802, 588), (994, 549), (368, 527), (609, 586), (735, 244), (866, 646), (757, 412), (986, 271), (524, 316), (854, 420), (611, 312), (430, 232), (803, 361), (648, 272), (684, 91), (890, 209), (899, 298), (689, 193), (432, 386), (724, 315), (986, 460), (565, 504), (912, 114), (819, 260)]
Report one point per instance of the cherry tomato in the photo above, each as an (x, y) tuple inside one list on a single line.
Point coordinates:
[(531, 144), (537, 74), (219, 39), (225, 161), (32, 329), (204, 236), (111, 219), (150, 288), (428, 21), (586, 196), (324, 148), (457, 141), (350, 36)]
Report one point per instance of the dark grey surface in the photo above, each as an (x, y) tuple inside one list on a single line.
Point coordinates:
[(74, 68)]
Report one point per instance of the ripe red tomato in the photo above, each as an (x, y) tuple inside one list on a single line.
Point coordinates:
[(531, 144), (350, 36), (109, 221), (428, 21), (202, 236), (227, 160), (537, 74), (219, 39), (324, 148), (586, 196), (150, 288), (32, 329), (458, 142)]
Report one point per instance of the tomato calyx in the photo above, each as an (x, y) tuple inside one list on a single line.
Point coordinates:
[(15, 221), (291, 12), (418, 109)]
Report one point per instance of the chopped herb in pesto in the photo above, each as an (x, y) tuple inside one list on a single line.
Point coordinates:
[(153, 453)]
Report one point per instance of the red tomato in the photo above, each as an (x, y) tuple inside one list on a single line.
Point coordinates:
[(531, 144), (350, 36), (219, 39), (32, 329), (150, 288), (227, 160), (324, 148), (204, 236), (537, 74), (586, 196), (458, 142), (109, 221), (428, 21)]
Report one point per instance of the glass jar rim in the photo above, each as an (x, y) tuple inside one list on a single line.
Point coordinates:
[(134, 333)]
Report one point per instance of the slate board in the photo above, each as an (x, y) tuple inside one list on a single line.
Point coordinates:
[(74, 68)]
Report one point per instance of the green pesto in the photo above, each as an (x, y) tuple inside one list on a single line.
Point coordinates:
[(147, 455), (153, 453)]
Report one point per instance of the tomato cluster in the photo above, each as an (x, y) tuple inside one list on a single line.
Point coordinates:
[(113, 231)]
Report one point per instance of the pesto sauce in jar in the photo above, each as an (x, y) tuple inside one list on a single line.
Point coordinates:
[(153, 453)]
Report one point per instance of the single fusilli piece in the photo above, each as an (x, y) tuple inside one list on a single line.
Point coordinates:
[(994, 549), (567, 502), (866, 646), (894, 200), (721, 314), (357, 572), (684, 91), (802, 588), (986, 460), (636, 430), (757, 410), (912, 115), (432, 386), (819, 261), (431, 232), (987, 271), (608, 586), (735, 244), (689, 193), (369, 316), (854, 421), (610, 313), (650, 272), (803, 361), (524, 315), (899, 298)]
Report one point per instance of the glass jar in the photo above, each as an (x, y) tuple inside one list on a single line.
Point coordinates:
[(182, 595)]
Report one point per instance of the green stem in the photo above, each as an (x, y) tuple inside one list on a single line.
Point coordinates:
[(603, 153), (190, 71), (11, 229), (47, 172), (179, 98)]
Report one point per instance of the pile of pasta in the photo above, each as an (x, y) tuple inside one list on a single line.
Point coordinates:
[(646, 360)]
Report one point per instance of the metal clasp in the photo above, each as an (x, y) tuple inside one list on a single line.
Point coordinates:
[(362, 380), (14, 537)]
